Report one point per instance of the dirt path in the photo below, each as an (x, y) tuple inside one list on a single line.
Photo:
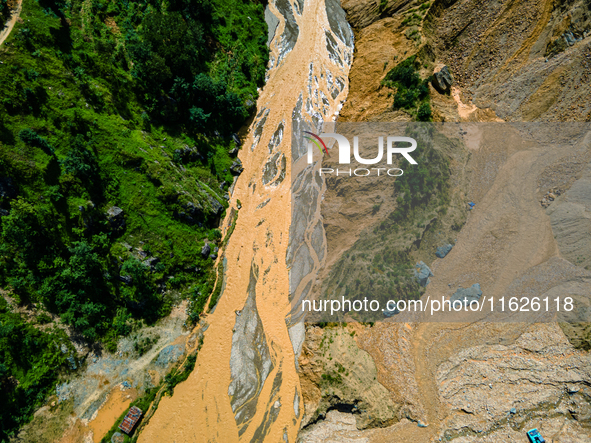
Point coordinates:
[(10, 24)]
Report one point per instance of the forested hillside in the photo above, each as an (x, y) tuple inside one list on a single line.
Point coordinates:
[(116, 156)]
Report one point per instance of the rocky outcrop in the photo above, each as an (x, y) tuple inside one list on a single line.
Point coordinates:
[(526, 61), (495, 392), (443, 80), (570, 215), (336, 374)]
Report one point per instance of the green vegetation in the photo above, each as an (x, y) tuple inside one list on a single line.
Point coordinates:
[(412, 92), (107, 105), (3, 12), (31, 360)]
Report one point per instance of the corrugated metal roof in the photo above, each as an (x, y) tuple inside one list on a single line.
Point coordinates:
[(130, 420)]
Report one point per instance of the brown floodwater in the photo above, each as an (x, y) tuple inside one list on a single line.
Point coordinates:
[(200, 408), (117, 403)]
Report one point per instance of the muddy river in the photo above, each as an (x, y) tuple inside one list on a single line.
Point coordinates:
[(245, 386)]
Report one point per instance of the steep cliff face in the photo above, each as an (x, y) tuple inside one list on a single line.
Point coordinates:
[(526, 60), (511, 61)]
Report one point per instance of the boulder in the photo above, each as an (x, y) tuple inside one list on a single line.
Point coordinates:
[(205, 250), (442, 251), (116, 218), (125, 279), (236, 168), (422, 273), (187, 154), (467, 294), (390, 313), (216, 206), (151, 262), (443, 80)]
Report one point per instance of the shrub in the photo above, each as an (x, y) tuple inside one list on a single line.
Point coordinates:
[(424, 113)]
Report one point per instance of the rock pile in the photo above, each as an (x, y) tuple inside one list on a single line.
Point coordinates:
[(550, 196)]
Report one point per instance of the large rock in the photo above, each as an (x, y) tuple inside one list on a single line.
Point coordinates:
[(467, 295), (116, 218), (442, 251), (216, 206), (422, 273), (205, 250), (443, 80), (236, 168)]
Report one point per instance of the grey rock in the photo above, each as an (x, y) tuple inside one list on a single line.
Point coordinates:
[(236, 168), (187, 154), (125, 279), (467, 294), (442, 251), (422, 272), (390, 313), (337, 19), (117, 437), (443, 80), (116, 218), (151, 262), (115, 212), (216, 206), (249, 104), (205, 250)]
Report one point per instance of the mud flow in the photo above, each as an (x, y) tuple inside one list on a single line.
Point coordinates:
[(245, 386)]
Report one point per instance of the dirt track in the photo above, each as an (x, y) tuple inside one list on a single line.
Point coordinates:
[(10, 24)]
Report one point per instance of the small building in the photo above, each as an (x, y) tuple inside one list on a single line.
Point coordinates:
[(130, 420)]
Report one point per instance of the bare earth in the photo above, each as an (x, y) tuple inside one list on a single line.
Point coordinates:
[(4, 33)]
